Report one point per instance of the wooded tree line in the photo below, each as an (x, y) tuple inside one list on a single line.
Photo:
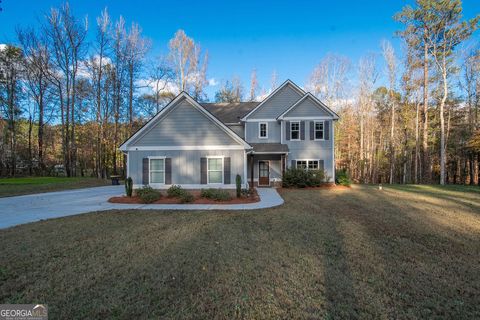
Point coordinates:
[(68, 101)]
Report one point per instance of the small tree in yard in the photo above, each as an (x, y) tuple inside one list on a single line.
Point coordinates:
[(129, 186), (238, 181)]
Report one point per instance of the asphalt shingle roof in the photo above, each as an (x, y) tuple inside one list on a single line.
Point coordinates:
[(230, 112), (269, 147)]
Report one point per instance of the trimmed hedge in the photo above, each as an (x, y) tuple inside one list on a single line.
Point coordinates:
[(300, 178), (216, 194), (148, 195)]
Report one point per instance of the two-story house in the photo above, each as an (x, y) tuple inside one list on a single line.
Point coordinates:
[(200, 145)]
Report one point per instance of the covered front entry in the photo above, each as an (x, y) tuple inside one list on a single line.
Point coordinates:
[(266, 164), (263, 173)]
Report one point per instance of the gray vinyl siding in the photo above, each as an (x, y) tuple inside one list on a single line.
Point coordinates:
[(277, 104), (185, 164), (238, 129), (273, 128), (307, 108), (313, 150), (274, 162), (184, 125)]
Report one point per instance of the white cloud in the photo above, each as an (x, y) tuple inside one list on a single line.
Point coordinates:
[(212, 82), (2, 46)]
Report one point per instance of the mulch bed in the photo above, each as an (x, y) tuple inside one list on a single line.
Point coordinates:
[(198, 200)]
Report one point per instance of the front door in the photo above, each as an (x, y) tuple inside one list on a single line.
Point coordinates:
[(263, 173)]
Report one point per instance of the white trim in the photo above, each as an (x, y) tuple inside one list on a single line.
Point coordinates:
[(299, 133), (288, 81), (150, 158), (149, 125), (127, 166), (259, 130), (167, 148), (333, 151), (260, 120), (282, 129), (307, 118), (307, 160), (245, 168), (273, 152), (315, 99), (222, 170), (315, 130)]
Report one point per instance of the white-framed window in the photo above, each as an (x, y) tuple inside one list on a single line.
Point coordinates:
[(263, 130), (157, 170), (319, 130), (308, 164), (295, 130), (215, 170)]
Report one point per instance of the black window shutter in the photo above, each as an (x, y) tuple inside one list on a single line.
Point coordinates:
[(226, 170), (293, 164), (203, 170), (321, 165), (287, 130), (168, 170), (327, 130), (145, 171), (312, 130), (302, 130)]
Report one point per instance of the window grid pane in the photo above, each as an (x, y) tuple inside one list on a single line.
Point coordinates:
[(157, 177), (215, 177), (319, 130), (295, 130), (214, 164), (156, 164)]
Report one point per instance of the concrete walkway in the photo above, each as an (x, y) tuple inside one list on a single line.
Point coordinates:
[(35, 207)]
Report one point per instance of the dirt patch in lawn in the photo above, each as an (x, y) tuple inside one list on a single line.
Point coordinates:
[(198, 199)]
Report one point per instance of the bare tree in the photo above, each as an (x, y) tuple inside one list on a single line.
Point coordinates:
[(161, 74), (329, 80), (11, 63), (37, 84), (66, 41), (135, 51), (391, 64), (273, 81), (253, 85)]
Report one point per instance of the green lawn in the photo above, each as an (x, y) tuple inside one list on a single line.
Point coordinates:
[(19, 186), (401, 253)]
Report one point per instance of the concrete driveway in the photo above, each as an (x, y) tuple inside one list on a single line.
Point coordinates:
[(35, 207)]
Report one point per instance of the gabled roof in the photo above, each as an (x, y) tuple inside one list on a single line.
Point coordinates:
[(316, 100), (183, 95), (287, 82), (230, 112)]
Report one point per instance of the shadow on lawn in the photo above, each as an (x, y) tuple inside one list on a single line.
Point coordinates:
[(428, 266), (466, 196)]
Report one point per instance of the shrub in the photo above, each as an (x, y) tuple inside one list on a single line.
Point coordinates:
[(148, 195), (238, 182), (129, 186), (186, 197), (300, 178), (342, 178), (175, 191), (216, 194)]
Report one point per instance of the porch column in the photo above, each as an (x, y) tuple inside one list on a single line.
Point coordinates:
[(251, 171), (283, 165)]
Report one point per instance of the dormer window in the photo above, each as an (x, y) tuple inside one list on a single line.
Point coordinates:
[(294, 130), (263, 130)]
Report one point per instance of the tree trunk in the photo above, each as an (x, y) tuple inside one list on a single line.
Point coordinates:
[(426, 157)]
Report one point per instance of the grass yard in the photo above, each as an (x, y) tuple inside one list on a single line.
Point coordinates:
[(402, 253), (19, 186)]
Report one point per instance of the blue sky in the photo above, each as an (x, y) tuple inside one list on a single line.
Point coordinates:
[(288, 36)]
